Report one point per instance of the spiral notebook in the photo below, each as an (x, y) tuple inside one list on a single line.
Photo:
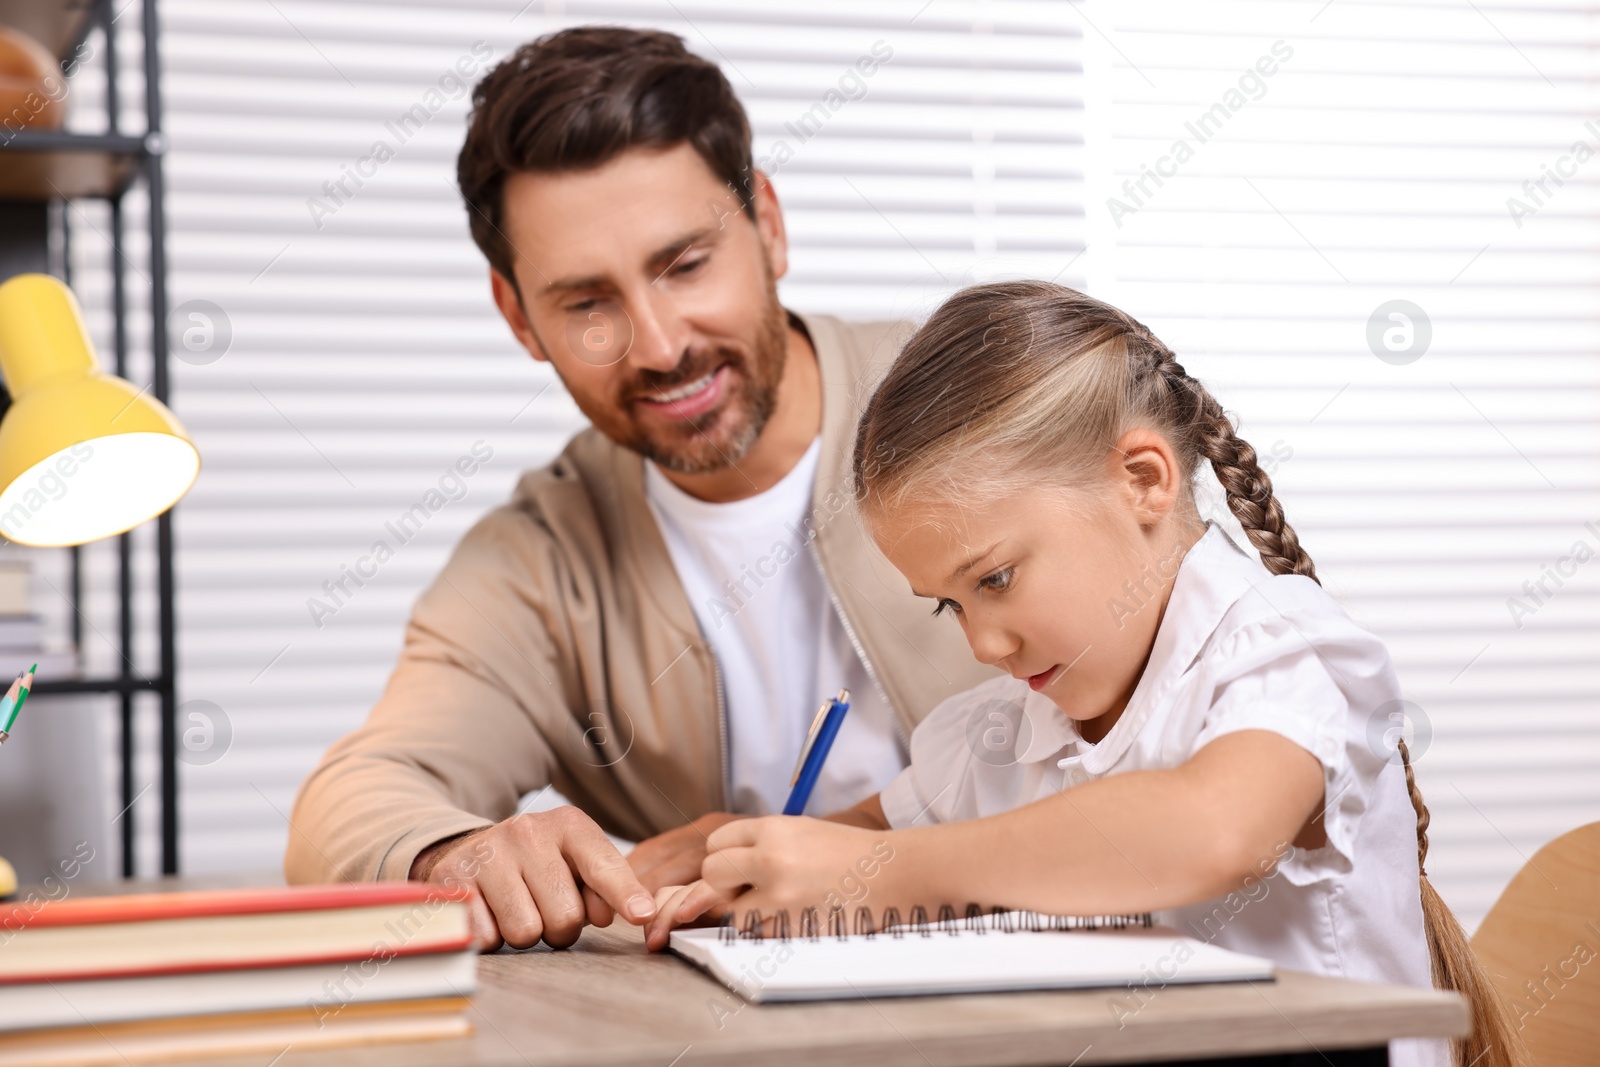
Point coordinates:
[(998, 951)]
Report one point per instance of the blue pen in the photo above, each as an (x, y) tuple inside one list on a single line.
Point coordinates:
[(824, 728)]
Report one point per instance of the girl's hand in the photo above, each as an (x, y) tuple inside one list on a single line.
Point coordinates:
[(674, 858), (778, 862), (792, 862), (680, 905)]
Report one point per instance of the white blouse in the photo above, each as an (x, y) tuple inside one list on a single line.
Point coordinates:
[(1238, 649)]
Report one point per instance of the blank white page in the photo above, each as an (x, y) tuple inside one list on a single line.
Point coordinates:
[(963, 962)]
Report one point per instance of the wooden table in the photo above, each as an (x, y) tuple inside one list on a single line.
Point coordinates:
[(606, 1002)]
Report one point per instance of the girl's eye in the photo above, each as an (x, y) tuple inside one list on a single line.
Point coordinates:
[(999, 581), (689, 266)]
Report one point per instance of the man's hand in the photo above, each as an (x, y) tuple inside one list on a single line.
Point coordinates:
[(538, 875), (674, 858)]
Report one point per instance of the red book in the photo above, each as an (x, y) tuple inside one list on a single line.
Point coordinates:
[(227, 929)]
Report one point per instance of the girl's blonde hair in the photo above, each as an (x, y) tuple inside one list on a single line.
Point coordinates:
[(1012, 382)]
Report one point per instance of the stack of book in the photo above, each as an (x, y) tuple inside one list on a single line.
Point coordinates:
[(159, 977), (21, 630)]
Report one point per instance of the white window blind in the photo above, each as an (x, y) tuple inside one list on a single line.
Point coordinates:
[(1374, 165), (365, 356)]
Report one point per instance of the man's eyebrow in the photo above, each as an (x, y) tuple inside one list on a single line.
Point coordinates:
[(667, 255), (567, 285), (677, 249)]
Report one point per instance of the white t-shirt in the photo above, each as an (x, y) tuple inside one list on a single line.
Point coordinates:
[(760, 598), (1238, 649)]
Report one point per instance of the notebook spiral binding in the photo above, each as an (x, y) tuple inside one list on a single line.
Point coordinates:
[(975, 921)]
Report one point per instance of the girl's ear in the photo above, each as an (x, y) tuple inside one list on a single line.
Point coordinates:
[(1146, 470)]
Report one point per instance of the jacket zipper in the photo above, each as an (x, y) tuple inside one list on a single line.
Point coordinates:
[(861, 654), (722, 732)]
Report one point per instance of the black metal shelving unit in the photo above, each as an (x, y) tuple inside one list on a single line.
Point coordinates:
[(36, 169)]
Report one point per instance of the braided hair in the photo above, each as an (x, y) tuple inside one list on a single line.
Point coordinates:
[(1035, 372), (1010, 379), (1248, 487)]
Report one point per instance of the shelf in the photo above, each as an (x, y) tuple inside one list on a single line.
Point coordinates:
[(41, 166), (96, 685), (46, 164), (59, 25)]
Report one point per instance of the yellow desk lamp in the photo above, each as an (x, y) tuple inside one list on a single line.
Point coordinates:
[(83, 454)]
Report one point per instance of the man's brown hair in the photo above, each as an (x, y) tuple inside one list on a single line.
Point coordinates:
[(577, 98)]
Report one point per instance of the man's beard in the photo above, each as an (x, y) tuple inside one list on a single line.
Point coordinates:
[(754, 377)]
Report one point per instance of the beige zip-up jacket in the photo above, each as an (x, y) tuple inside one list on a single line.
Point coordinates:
[(557, 647)]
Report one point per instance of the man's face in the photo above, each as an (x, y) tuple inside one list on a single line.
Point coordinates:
[(654, 296)]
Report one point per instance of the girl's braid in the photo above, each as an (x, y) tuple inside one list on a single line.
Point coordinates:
[(1248, 488)]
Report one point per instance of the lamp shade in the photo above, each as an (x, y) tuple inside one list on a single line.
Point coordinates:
[(83, 454)]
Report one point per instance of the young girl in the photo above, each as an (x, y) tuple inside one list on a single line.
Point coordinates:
[(1184, 728)]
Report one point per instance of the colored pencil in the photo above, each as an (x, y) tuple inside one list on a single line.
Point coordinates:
[(21, 687), (10, 700)]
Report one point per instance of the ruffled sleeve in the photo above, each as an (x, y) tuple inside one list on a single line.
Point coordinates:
[(1309, 679), (937, 786)]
